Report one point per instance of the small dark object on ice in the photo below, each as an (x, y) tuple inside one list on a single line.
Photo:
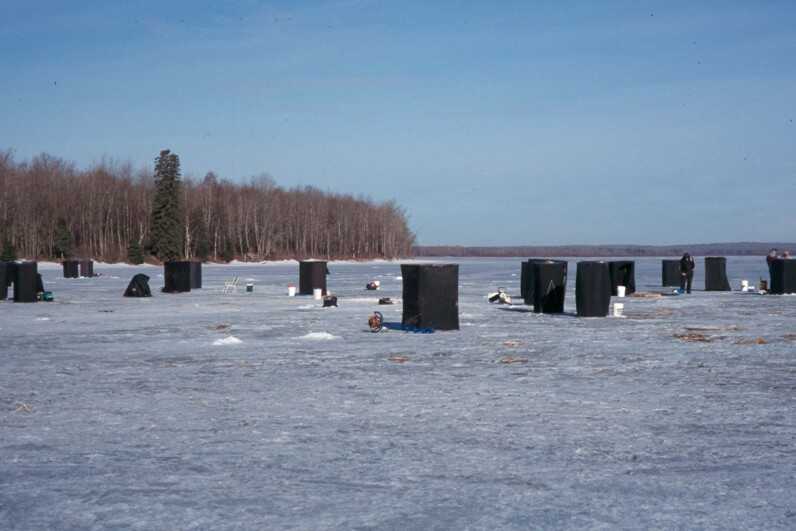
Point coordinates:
[(696, 337), (373, 285), (507, 360), (750, 341), (330, 301), (500, 297), (386, 300), (46, 296), (375, 322)]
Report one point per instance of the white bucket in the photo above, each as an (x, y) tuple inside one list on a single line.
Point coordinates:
[(619, 308), (317, 294), (620, 291), (291, 291)]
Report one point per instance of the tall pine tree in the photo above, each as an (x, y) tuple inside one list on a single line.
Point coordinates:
[(64, 241), (9, 253), (166, 228), (135, 255)]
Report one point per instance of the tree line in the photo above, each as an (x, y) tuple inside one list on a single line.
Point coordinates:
[(50, 209), (697, 249)]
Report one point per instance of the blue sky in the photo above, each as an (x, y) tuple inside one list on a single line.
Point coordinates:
[(491, 123)]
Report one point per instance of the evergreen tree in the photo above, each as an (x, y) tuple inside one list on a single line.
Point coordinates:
[(228, 252), (64, 242), (166, 231), (135, 254), (9, 253)]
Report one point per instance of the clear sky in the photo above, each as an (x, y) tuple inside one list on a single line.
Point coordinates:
[(490, 122)]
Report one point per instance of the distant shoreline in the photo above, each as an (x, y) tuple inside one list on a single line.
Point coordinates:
[(613, 250)]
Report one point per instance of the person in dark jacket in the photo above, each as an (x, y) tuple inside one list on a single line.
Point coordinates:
[(772, 255), (687, 266)]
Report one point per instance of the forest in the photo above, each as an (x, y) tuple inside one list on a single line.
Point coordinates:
[(51, 209)]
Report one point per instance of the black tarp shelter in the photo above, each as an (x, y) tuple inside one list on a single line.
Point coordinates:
[(86, 268), (138, 287), (593, 289), (177, 277), (716, 274), (526, 278), (431, 296), (783, 276), (25, 282), (549, 286), (70, 268), (312, 275), (11, 273), (196, 275), (3, 281), (623, 273), (526, 281), (670, 273)]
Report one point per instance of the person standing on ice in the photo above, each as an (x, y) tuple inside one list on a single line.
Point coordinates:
[(772, 255), (687, 266)]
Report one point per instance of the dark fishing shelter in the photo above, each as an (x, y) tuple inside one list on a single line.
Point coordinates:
[(593, 289), (783, 276), (177, 277), (670, 273), (86, 268), (25, 281), (4, 281), (526, 278), (196, 275), (138, 287), (11, 274), (312, 275), (431, 296), (549, 286), (70, 268), (623, 273), (716, 274)]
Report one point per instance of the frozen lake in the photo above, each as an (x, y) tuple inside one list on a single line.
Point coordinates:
[(143, 414)]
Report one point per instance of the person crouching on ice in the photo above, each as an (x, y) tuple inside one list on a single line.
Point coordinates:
[(687, 266)]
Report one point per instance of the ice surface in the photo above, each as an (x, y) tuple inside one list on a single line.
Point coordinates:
[(121, 413), (229, 340), (319, 336)]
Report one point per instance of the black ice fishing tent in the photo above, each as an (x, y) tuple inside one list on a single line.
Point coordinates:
[(526, 278), (549, 286), (177, 277), (783, 276), (623, 273), (196, 275), (431, 296), (138, 287), (86, 268), (3, 281), (70, 268), (593, 289), (26, 279), (312, 275), (670, 273), (716, 274), (11, 273)]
